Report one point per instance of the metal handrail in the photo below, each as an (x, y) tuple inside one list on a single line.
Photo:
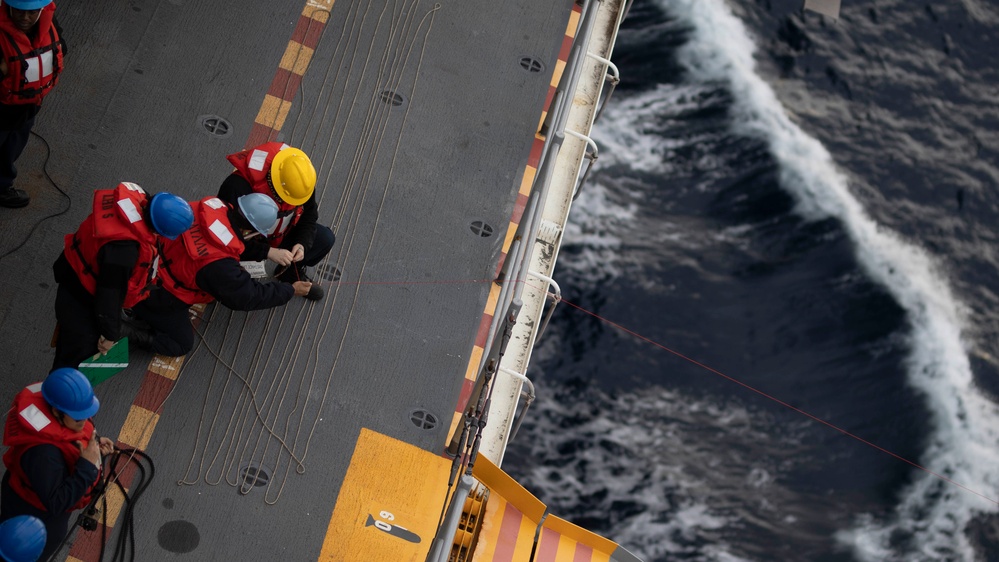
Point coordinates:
[(591, 156), (612, 75), (556, 298)]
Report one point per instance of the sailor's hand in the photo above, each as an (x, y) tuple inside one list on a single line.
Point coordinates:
[(104, 345), (302, 288), (106, 445), (92, 452), (280, 256), (297, 252)]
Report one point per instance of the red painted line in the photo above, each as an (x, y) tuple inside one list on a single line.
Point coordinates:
[(466, 392), (153, 392), (535, 157), (285, 85), (563, 52), (583, 553), (308, 31), (518, 208), (87, 544), (499, 266), (480, 338), (506, 542), (259, 135), (547, 546), (549, 97)]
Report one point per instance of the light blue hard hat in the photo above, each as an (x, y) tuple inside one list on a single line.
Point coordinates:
[(171, 215), (27, 5), (70, 392), (260, 210), (22, 539)]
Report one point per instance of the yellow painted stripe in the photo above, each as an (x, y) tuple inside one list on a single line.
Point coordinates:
[(570, 534), (510, 232), (473, 361), (389, 502), (528, 180), (494, 293), (317, 10), (570, 29), (296, 58), (168, 367), (138, 427), (557, 75), (455, 420), (115, 502), (273, 112), (73, 559)]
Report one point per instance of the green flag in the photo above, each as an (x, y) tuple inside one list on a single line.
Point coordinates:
[(99, 368)]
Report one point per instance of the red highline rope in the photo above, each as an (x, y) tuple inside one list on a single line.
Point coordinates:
[(705, 367)]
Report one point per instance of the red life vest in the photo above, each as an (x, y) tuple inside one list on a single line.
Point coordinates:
[(29, 424), (33, 63), (253, 165), (117, 215), (210, 238)]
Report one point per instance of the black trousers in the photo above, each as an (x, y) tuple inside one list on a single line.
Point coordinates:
[(168, 318), (78, 331), (16, 122)]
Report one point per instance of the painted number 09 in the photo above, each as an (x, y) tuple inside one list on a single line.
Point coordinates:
[(387, 516)]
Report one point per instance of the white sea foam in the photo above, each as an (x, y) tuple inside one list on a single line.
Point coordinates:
[(653, 450), (965, 441)]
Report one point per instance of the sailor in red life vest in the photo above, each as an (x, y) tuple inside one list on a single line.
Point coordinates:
[(202, 265), (53, 458), (108, 265), (32, 60), (287, 176)]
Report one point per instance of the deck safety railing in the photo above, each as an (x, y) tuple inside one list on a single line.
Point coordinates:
[(513, 277)]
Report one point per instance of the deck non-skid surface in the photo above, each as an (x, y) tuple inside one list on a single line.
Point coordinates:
[(419, 117)]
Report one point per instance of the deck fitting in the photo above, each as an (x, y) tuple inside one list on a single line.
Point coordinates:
[(254, 474), (329, 272), (532, 65), (480, 228), (214, 125), (391, 97), (423, 420)]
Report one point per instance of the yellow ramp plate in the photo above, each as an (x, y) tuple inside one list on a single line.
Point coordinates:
[(389, 503)]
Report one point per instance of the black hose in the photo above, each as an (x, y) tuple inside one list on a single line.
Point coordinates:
[(69, 200)]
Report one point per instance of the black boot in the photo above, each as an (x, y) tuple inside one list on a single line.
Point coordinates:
[(137, 335), (13, 198)]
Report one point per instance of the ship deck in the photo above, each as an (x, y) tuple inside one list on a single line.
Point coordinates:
[(420, 119)]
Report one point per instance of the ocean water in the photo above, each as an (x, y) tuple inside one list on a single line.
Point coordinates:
[(808, 207)]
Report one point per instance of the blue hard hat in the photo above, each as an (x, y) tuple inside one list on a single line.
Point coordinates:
[(260, 210), (22, 538), (171, 215), (27, 4), (69, 391)]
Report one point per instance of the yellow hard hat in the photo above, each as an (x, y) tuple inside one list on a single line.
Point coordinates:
[(292, 176)]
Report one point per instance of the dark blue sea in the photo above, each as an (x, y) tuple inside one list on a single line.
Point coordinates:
[(809, 207)]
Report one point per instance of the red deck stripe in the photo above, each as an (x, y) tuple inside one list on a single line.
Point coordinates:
[(153, 392), (259, 135), (583, 553), (518, 208), (535, 157), (547, 546), (506, 542), (480, 338), (87, 544), (306, 35), (466, 392), (285, 84)]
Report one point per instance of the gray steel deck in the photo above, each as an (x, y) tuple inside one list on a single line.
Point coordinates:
[(400, 186)]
